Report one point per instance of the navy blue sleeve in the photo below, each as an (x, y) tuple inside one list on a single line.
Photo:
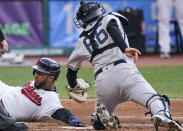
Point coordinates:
[(1, 35), (63, 115), (115, 33), (71, 77)]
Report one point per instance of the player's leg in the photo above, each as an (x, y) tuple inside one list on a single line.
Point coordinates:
[(106, 102), (140, 91), (7, 123), (101, 119), (179, 14), (5, 119), (163, 117), (164, 14)]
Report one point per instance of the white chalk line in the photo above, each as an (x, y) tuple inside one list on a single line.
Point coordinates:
[(141, 117), (177, 99), (123, 126), (70, 127)]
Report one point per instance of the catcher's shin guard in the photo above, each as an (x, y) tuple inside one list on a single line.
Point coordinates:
[(163, 118), (103, 118)]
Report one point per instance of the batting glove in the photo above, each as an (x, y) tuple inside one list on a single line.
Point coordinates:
[(76, 122)]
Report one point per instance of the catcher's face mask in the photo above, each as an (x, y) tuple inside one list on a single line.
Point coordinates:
[(86, 12)]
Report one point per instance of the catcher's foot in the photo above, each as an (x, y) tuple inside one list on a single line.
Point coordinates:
[(108, 121), (163, 121)]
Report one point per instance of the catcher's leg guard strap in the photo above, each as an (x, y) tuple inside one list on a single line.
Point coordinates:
[(158, 103)]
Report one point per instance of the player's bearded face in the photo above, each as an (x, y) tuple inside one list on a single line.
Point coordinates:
[(40, 84), (40, 79)]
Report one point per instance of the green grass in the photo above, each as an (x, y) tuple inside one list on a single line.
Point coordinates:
[(165, 80)]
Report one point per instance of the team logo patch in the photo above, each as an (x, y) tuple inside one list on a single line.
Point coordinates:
[(29, 92)]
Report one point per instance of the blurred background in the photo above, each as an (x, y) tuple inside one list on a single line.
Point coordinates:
[(46, 27)]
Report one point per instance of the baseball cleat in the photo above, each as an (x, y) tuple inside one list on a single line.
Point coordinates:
[(164, 55), (108, 121), (117, 121), (163, 121)]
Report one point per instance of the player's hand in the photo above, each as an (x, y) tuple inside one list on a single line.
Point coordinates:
[(132, 53), (4, 46)]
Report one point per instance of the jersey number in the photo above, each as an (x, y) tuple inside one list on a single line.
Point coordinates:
[(29, 92), (100, 36)]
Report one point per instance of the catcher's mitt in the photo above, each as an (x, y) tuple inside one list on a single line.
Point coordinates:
[(79, 92)]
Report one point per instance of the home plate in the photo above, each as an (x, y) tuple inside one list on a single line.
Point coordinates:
[(88, 128)]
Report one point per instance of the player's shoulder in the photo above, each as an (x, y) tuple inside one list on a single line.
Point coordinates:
[(114, 15), (55, 94), (50, 96), (118, 16), (108, 17)]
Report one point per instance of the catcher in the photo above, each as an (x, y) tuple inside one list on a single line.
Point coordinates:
[(36, 99), (117, 79)]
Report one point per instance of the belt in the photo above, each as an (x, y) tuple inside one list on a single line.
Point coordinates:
[(115, 63)]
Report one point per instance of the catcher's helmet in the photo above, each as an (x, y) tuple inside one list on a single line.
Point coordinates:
[(48, 66), (86, 12)]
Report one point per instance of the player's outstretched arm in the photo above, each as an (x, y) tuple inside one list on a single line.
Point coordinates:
[(66, 116), (132, 53)]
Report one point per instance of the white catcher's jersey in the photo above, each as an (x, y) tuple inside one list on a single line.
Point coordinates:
[(27, 102), (83, 49)]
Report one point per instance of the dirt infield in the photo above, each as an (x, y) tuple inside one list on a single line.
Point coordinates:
[(131, 116)]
